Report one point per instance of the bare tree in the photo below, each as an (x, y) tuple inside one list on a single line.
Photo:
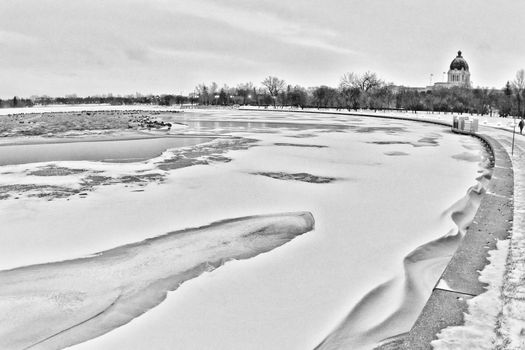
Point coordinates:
[(274, 86), (518, 85), (349, 80), (355, 89), (202, 91), (369, 81), (245, 91), (363, 82), (324, 96), (298, 96), (214, 88), (349, 90)]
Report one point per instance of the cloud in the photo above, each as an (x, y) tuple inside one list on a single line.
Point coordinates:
[(319, 44), (202, 55), (309, 42), (484, 47), (139, 54), (14, 38), (263, 22)]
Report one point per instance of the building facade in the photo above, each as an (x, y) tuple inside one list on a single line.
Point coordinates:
[(459, 74)]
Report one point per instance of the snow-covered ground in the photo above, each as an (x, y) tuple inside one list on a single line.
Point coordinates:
[(377, 189), (496, 318), (87, 107)]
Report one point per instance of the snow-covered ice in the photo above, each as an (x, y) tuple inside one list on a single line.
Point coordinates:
[(58, 304), (393, 188)]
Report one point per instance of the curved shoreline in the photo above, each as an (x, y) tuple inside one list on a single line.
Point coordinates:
[(459, 282), (422, 266), (442, 123)]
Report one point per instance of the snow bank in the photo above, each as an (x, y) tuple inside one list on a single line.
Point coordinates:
[(54, 305), (368, 322), (478, 331), (496, 318)]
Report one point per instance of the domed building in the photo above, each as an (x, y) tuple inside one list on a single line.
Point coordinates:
[(459, 74)]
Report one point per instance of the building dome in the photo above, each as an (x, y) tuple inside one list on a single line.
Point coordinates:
[(459, 63)]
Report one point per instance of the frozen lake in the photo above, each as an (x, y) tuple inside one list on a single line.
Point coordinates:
[(377, 189)]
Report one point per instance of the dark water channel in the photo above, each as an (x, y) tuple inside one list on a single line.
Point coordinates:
[(119, 151), (126, 151)]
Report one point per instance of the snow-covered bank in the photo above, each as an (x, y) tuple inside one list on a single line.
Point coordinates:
[(86, 107), (55, 305), (367, 324), (495, 318), (480, 323)]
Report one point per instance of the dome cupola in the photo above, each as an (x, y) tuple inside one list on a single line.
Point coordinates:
[(459, 63)]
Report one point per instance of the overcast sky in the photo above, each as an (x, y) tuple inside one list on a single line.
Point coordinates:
[(59, 47)]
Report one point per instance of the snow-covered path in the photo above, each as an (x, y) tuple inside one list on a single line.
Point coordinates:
[(496, 318), (511, 320)]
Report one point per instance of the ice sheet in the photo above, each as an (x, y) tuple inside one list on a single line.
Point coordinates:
[(51, 306), (378, 210)]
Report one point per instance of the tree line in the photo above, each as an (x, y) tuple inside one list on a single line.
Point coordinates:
[(354, 92)]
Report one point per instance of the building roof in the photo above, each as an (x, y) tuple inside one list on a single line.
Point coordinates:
[(459, 63)]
